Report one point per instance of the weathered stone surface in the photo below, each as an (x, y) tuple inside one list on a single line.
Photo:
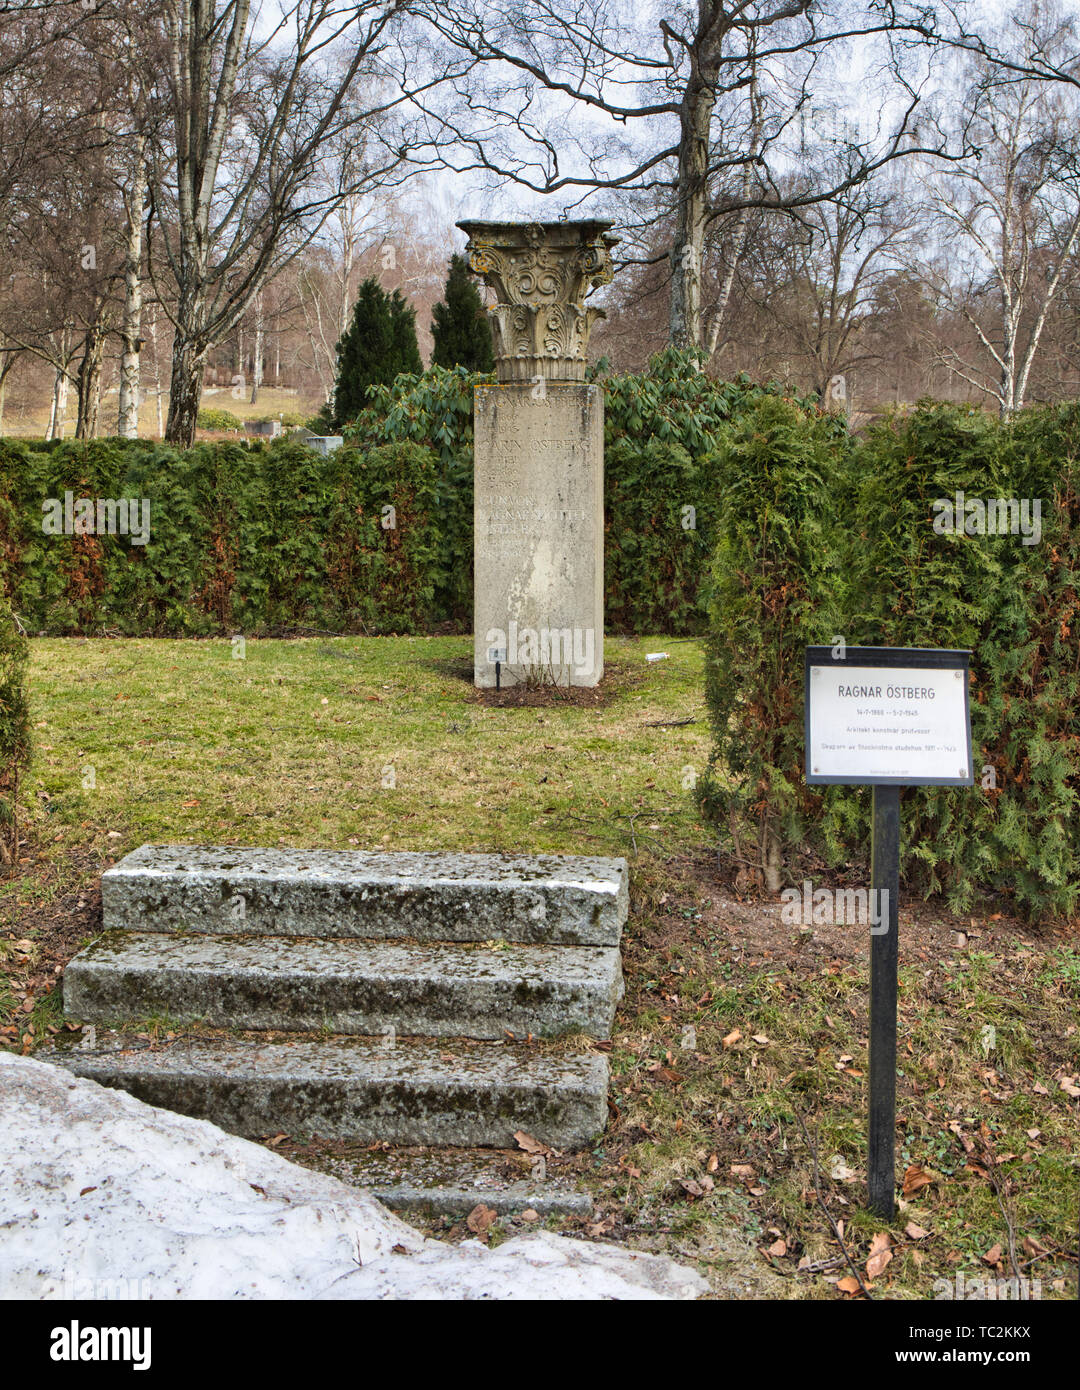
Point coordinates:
[(451, 1182), (105, 1197), (539, 534), (348, 986), (347, 1088), (459, 1201), (299, 940), (541, 273), (554, 899)]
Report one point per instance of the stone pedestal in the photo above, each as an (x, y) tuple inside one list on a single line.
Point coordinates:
[(539, 534), (539, 457)]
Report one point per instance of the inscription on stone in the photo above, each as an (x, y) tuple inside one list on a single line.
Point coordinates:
[(538, 517)]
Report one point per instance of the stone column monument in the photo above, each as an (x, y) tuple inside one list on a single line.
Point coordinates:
[(539, 457)]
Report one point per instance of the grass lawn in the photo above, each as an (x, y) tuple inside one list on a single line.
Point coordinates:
[(34, 422), (739, 1054)]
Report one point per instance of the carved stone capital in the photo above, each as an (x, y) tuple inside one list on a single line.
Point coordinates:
[(541, 273)]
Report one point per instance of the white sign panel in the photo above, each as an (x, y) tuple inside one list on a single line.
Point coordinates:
[(904, 724)]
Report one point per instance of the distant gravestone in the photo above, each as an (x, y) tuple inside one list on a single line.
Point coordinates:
[(324, 443), (539, 457)]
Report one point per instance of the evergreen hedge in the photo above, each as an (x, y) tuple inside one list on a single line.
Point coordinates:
[(253, 539), (821, 539), (272, 537), (775, 588), (14, 726)]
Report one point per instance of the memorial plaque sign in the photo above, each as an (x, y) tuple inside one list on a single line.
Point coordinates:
[(886, 717), (880, 715)]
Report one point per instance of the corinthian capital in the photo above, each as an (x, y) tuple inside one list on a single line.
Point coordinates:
[(541, 273)]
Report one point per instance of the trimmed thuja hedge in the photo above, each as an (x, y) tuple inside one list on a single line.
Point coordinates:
[(821, 539), (377, 537), (240, 539), (14, 726)]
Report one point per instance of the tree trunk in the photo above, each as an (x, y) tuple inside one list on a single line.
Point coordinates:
[(772, 861), (1007, 403), (57, 418), (89, 382), (127, 426), (257, 363), (684, 328), (157, 372), (185, 393), (9, 362), (738, 246), (742, 221)]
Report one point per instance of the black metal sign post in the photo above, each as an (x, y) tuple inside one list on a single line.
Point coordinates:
[(884, 959), (887, 717)]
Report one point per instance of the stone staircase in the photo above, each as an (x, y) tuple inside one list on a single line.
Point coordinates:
[(358, 996)]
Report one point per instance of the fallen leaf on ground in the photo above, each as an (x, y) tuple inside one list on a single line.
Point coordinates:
[(481, 1219), (880, 1255), (915, 1179), (529, 1144)]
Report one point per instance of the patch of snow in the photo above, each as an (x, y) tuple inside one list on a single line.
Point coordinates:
[(105, 1196)]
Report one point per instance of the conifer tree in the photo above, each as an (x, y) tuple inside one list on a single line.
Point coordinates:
[(379, 344), (459, 324)]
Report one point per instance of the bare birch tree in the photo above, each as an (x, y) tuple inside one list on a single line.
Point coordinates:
[(237, 194), (1010, 220)]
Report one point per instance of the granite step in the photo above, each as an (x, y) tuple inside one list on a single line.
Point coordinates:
[(452, 1182), (551, 899), (346, 985), (415, 1093)]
